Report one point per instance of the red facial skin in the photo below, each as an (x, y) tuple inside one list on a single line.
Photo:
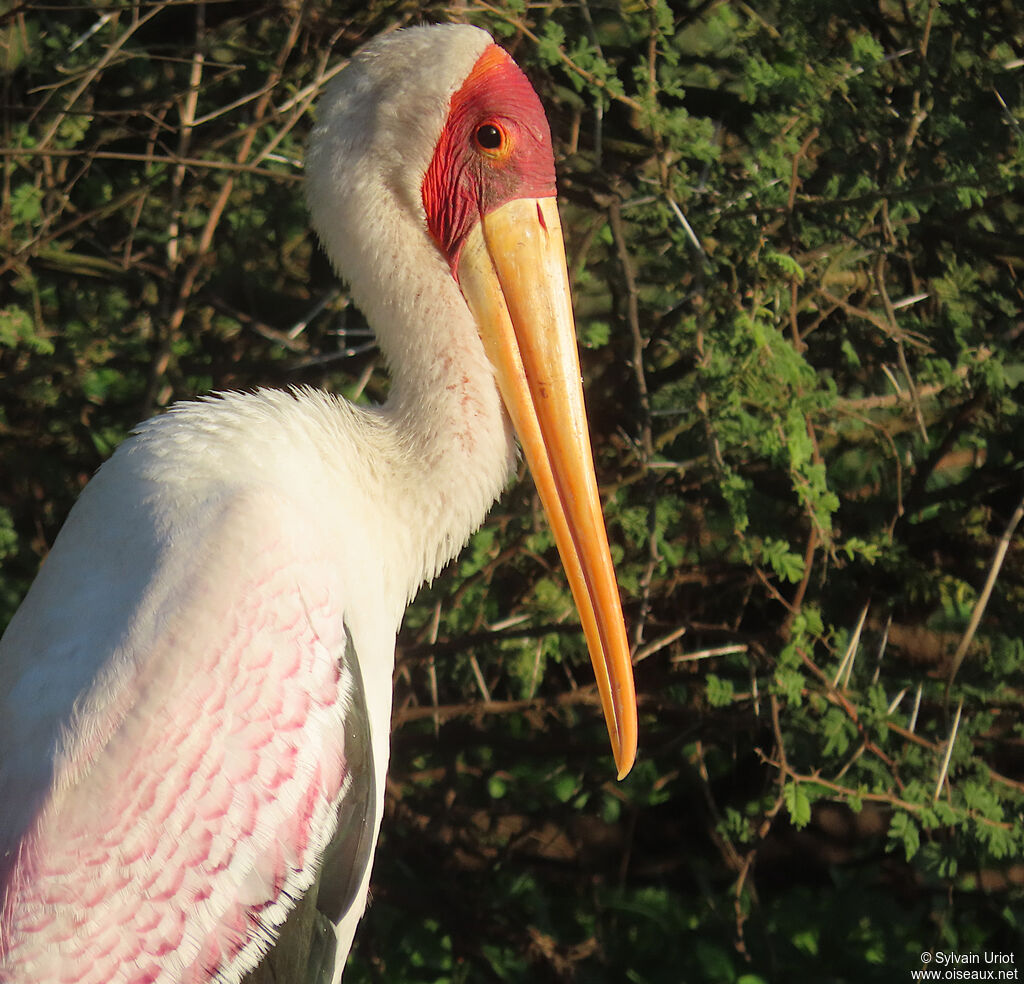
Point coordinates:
[(476, 170)]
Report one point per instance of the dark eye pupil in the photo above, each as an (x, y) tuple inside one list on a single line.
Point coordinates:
[(489, 137)]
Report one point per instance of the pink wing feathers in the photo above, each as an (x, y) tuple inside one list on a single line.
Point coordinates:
[(189, 813)]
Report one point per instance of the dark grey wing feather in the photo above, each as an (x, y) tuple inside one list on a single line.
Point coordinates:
[(348, 854), (305, 949)]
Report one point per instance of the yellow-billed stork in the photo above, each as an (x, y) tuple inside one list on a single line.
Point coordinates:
[(195, 695)]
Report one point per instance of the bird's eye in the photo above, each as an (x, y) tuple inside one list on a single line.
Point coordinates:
[(489, 138)]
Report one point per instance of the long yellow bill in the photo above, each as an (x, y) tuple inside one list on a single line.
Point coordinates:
[(513, 275)]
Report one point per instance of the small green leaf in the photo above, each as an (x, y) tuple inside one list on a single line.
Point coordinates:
[(17, 328), (903, 830), (26, 204), (719, 691), (594, 334), (797, 804), (565, 786), (785, 265)]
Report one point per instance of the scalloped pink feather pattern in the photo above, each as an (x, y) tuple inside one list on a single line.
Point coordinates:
[(182, 848)]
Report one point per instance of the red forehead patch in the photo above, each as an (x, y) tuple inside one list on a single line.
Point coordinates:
[(493, 59), (495, 147)]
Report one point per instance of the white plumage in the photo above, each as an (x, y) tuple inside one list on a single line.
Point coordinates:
[(187, 691)]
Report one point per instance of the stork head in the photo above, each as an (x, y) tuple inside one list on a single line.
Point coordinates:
[(436, 132)]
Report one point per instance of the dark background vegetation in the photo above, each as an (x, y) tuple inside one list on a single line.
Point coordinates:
[(796, 234)]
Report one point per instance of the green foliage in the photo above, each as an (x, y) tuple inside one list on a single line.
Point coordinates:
[(806, 218), (798, 805), (720, 692)]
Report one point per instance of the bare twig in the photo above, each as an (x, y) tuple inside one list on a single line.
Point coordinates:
[(842, 677), (917, 707), (986, 591), (881, 649), (654, 647), (887, 799), (949, 751), (687, 228), (580, 696), (479, 677), (643, 395), (196, 163), (432, 667), (187, 114), (714, 651)]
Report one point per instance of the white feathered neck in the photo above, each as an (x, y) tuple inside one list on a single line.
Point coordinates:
[(450, 443)]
